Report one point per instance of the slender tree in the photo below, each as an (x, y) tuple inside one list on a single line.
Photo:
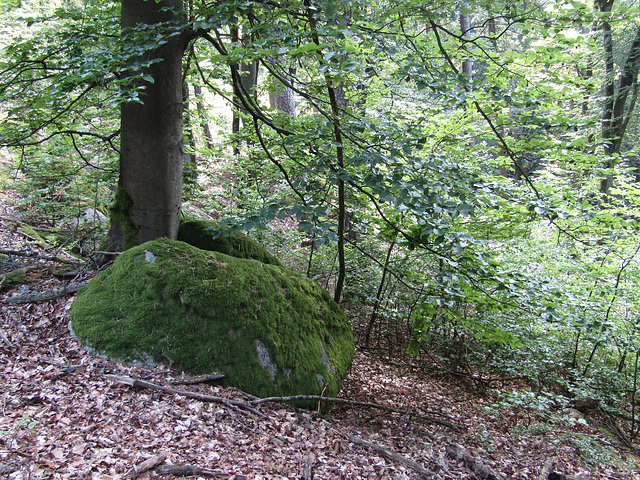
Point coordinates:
[(149, 194), (619, 94)]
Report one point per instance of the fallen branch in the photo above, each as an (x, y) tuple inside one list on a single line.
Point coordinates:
[(394, 457), (201, 379), (546, 468), (144, 466), (45, 296), (6, 341), (190, 470), (31, 254), (307, 473), (459, 454), (354, 403), (134, 382), (560, 476), (15, 277)]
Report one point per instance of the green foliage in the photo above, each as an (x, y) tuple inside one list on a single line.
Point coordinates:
[(508, 258), (592, 453), (25, 421)]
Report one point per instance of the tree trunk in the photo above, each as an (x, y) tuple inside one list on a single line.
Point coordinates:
[(617, 108), (465, 28), (203, 117), (281, 97), (249, 80), (190, 168), (149, 193)]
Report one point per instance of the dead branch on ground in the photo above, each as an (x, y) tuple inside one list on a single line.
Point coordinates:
[(394, 457), (193, 471), (145, 466), (34, 297), (354, 403), (134, 382)]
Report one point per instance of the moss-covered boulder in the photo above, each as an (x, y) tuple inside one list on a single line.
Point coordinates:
[(198, 234), (270, 330)]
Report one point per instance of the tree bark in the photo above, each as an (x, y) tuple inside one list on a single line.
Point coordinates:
[(617, 109), (189, 167), (281, 97), (203, 117), (149, 194), (465, 28)]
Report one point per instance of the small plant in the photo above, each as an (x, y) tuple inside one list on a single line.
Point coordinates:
[(592, 453), (25, 421), (540, 429), (533, 404), (484, 437)]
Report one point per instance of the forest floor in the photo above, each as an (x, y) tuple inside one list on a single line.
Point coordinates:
[(67, 414)]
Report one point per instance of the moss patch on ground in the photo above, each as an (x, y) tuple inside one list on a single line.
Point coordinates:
[(270, 330), (198, 234)]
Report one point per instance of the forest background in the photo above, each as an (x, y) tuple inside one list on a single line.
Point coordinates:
[(462, 176)]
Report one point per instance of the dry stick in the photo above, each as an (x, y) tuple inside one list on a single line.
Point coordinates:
[(395, 457), (191, 470), (459, 454), (354, 403), (560, 476), (5, 340), (134, 382), (45, 296), (30, 254), (307, 473), (546, 468), (201, 379), (145, 466)]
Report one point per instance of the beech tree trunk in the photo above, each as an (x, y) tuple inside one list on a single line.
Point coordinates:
[(281, 97), (465, 28), (619, 100), (149, 194)]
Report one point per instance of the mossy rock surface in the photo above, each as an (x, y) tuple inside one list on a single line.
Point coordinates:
[(197, 233), (270, 330)]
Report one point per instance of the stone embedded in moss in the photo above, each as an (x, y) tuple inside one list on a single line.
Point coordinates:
[(197, 233), (270, 330)]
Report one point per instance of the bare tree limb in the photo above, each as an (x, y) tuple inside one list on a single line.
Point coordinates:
[(134, 382), (34, 297), (145, 466), (395, 457), (353, 403)]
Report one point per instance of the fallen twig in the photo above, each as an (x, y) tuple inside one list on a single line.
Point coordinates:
[(201, 379), (476, 465), (343, 401), (560, 476), (31, 254), (546, 468), (190, 470), (34, 297), (134, 382), (6, 341), (395, 457), (144, 466), (307, 473)]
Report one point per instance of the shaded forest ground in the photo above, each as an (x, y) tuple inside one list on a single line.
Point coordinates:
[(63, 414)]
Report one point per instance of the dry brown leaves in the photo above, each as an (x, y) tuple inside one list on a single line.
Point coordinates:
[(62, 417)]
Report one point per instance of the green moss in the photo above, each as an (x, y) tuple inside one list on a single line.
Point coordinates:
[(119, 214), (30, 231), (208, 311), (197, 233)]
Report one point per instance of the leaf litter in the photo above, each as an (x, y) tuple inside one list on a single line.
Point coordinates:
[(63, 417)]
